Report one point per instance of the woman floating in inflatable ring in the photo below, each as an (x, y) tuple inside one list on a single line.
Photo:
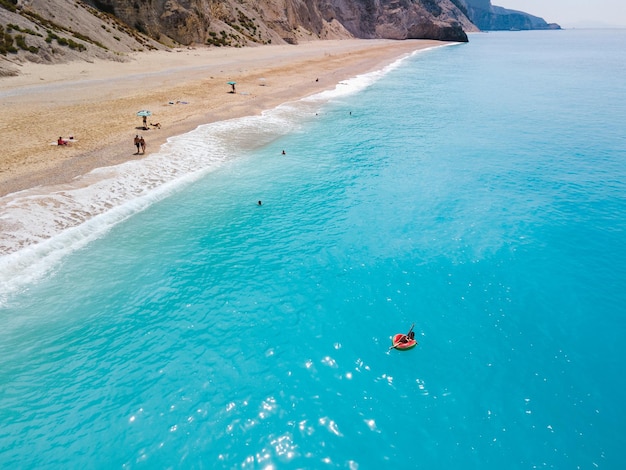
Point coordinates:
[(403, 342)]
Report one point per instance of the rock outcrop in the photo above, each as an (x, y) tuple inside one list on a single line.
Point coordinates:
[(493, 18)]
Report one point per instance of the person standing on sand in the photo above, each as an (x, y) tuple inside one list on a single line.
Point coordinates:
[(142, 142), (137, 143), (145, 123)]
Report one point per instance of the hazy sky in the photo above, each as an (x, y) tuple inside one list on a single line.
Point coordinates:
[(572, 13)]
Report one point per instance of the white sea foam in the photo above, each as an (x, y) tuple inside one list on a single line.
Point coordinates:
[(40, 226)]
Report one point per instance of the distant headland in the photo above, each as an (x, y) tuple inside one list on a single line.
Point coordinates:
[(493, 18)]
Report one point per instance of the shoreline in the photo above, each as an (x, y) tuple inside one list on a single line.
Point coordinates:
[(97, 102)]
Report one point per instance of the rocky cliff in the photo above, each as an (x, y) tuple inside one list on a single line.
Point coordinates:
[(241, 22), (493, 18), (60, 30)]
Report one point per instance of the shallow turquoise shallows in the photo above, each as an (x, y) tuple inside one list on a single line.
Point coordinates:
[(477, 191)]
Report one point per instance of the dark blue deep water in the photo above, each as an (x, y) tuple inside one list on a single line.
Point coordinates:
[(477, 191)]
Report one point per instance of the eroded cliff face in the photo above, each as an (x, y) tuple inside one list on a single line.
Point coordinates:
[(60, 30), (241, 22), (404, 19)]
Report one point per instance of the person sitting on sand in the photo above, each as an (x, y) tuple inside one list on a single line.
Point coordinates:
[(61, 141), (157, 125)]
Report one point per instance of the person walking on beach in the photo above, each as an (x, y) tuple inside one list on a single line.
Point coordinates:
[(137, 144), (142, 143)]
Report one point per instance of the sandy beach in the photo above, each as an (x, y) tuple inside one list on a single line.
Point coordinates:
[(97, 102)]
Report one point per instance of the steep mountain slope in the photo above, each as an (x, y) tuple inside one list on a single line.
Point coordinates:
[(53, 31), (59, 30)]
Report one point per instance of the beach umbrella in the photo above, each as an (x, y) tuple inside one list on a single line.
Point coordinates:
[(144, 113), (231, 83)]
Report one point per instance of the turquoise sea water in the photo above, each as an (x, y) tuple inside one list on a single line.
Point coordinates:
[(477, 190)]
